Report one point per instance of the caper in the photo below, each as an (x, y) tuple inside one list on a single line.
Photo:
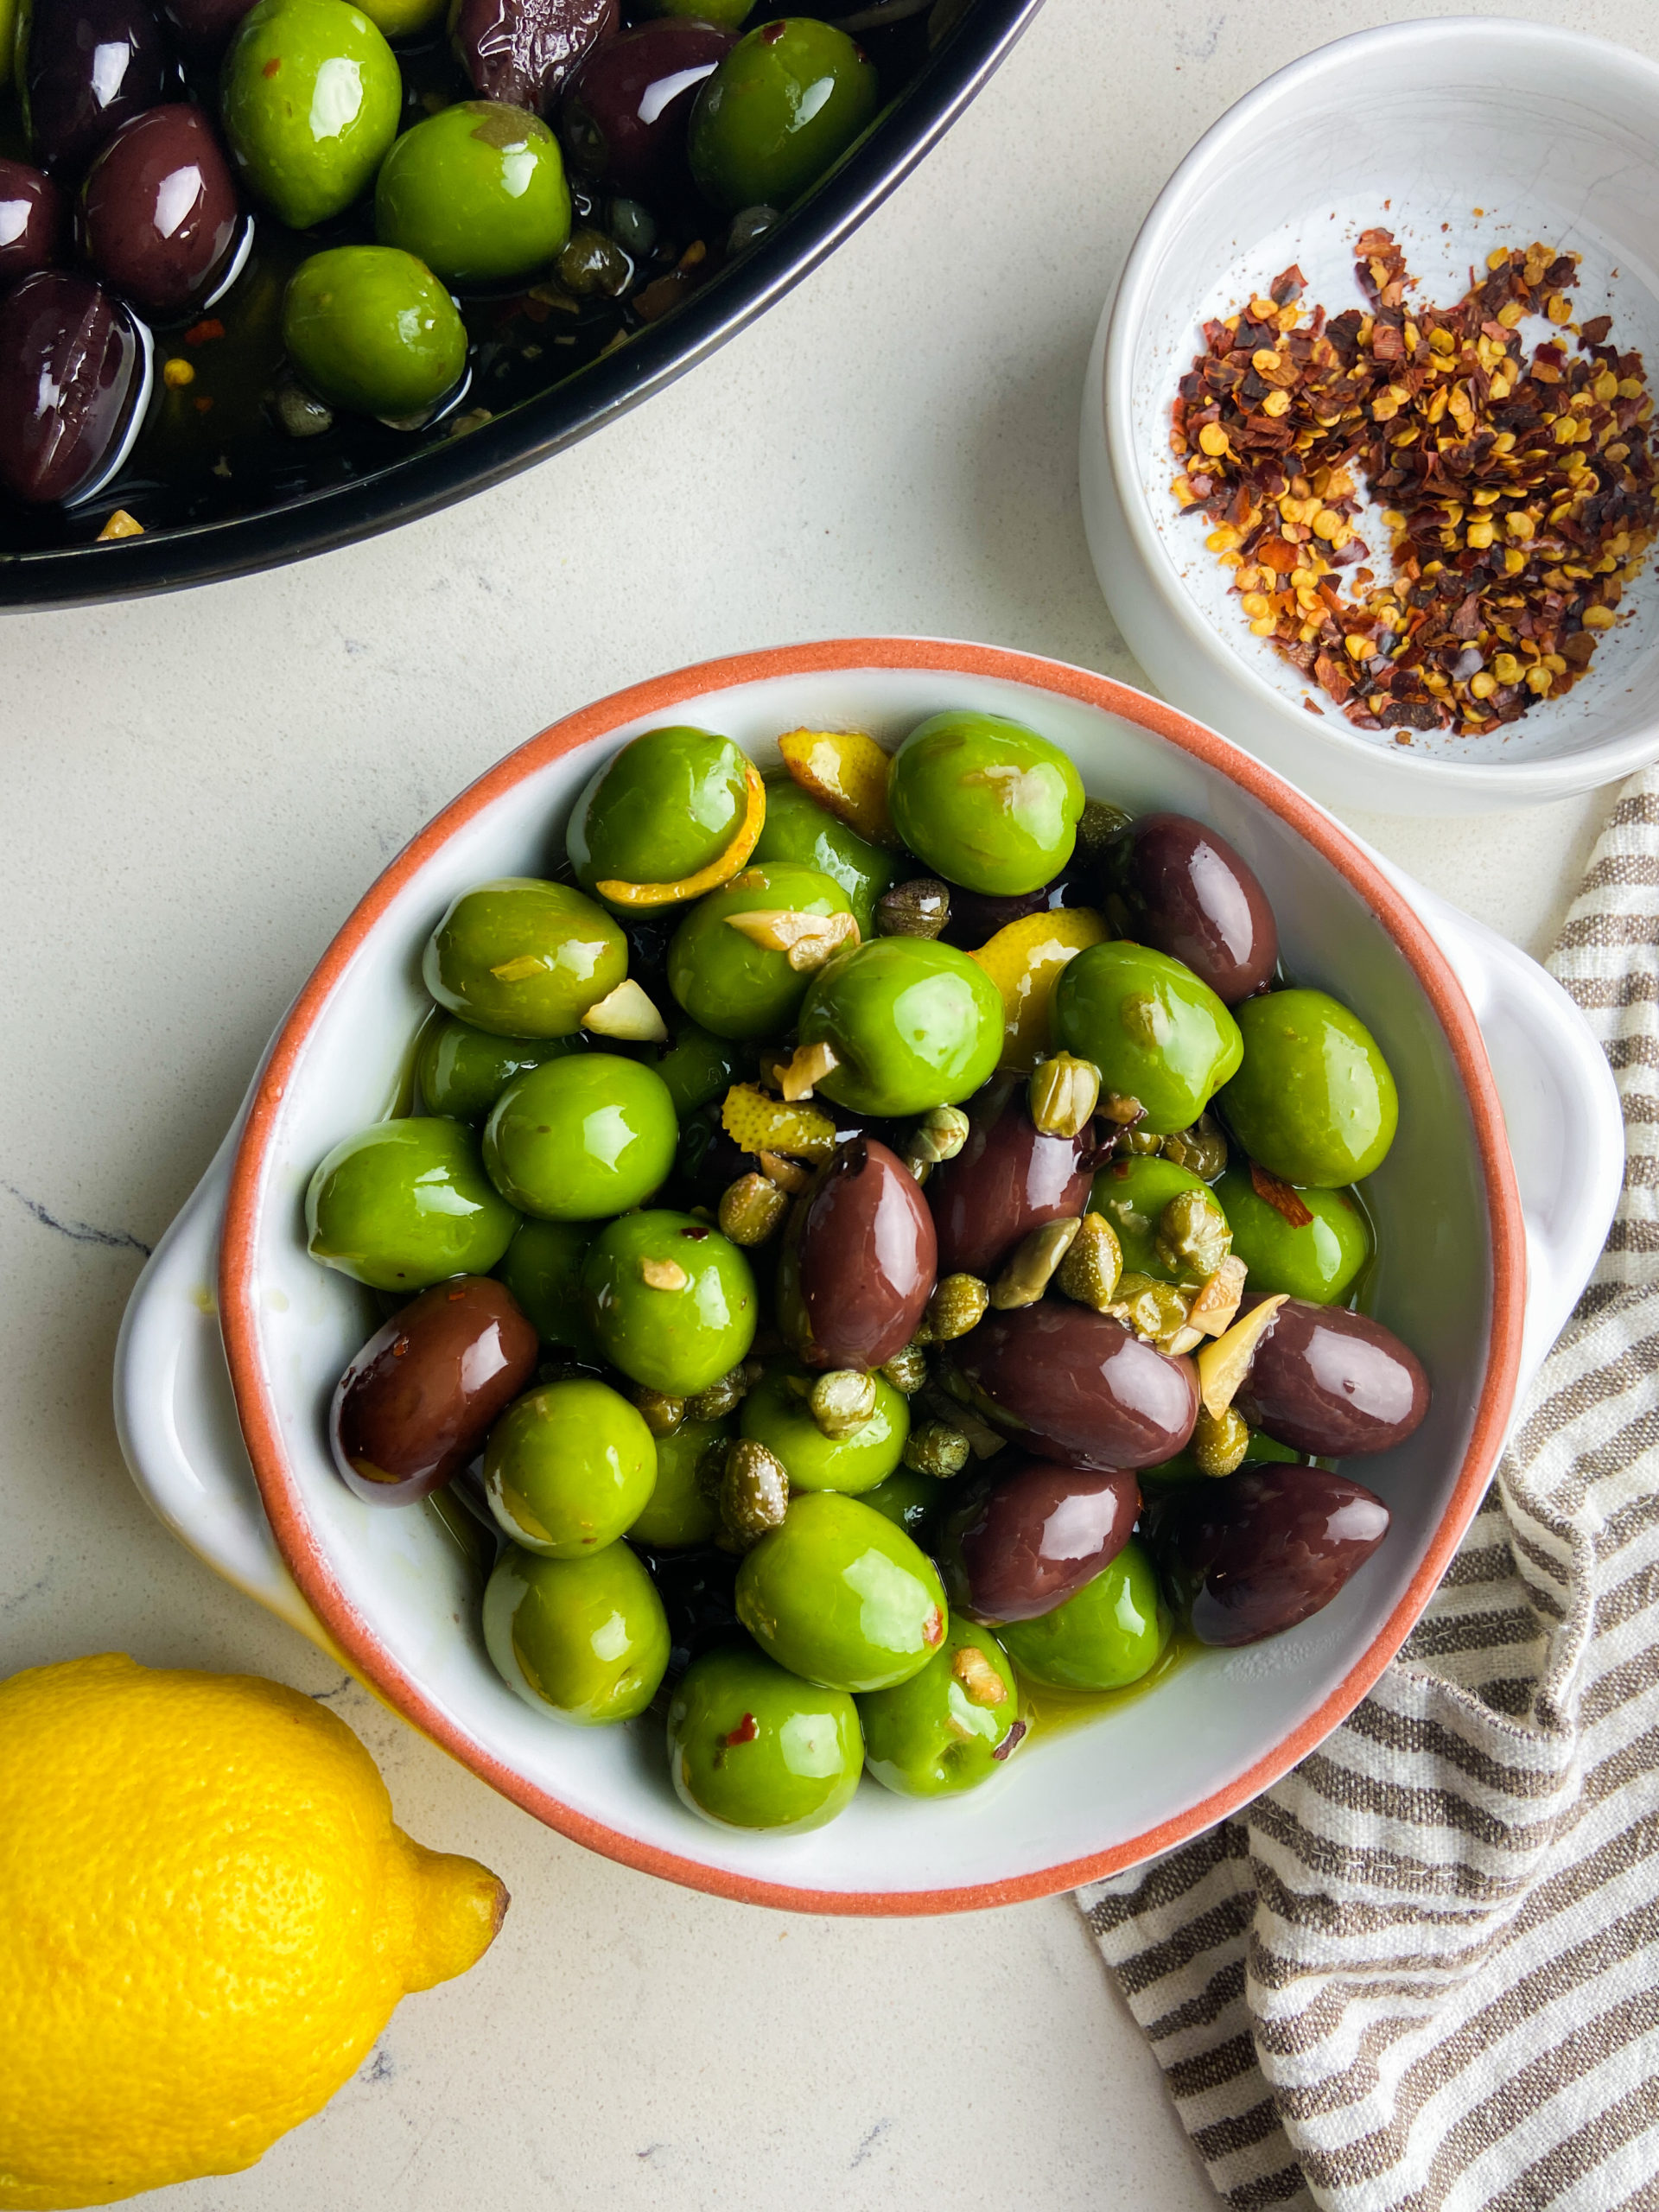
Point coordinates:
[(725, 1396), (1031, 1267), (662, 1415), (1154, 1310), (1089, 1269), (751, 1208), (841, 1402), (754, 1492), (749, 227), (938, 1135), (907, 1370), (300, 412), (1202, 1150), (590, 263), (958, 1304), (920, 907), (633, 227), (1062, 1094), (1099, 827), (937, 1448), (1220, 1441), (1137, 1144), (1193, 1239)]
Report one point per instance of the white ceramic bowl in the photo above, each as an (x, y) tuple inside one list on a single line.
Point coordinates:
[(1460, 135), (390, 1592)]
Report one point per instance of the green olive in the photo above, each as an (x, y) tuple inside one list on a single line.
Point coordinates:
[(462, 1071), (522, 958), (567, 1467), (913, 1024), (697, 1067), (477, 191), (1155, 1033), (585, 1638), (543, 1270), (668, 804), (797, 829), (786, 103), (672, 1302), (310, 94), (751, 1747), (734, 986), (582, 1138), (775, 1414), (406, 1203), (1316, 1260), (1132, 1195), (909, 1500), (986, 802), (841, 1596), (371, 328), (1103, 1637), (946, 1729), (679, 1511), (1314, 1102)]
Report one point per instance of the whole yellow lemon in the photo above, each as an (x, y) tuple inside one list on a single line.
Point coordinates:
[(206, 1915)]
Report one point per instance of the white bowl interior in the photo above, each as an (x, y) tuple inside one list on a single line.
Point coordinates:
[(1075, 1792), (1459, 137)]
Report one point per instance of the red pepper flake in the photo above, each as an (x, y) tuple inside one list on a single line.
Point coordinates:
[(1279, 1196), (199, 333), (202, 406), (933, 1628), (272, 66), (1009, 1740), (745, 1730)]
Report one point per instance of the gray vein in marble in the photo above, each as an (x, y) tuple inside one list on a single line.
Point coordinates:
[(79, 1232)]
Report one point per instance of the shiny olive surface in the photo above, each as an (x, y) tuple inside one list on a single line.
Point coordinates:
[(1332, 1383), (725, 981), (371, 328), (86, 67), (1032, 1535), (310, 95), (1006, 1180), (672, 1302), (1270, 1546), (477, 191), (797, 829), (523, 957), (913, 1024), (1132, 1194), (521, 51), (752, 1746), (1317, 1259), (462, 1071), (1190, 895), (419, 1399), (1156, 1032), (986, 802), (586, 1638), (1314, 1101), (697, 1067), (841, 1596), (541, 1267), (158, 210), (788, 100), (949, 1727), (1077, 1386), (1105, 1637), (34, 221), (668, 804), (624, 114), (860, 1260), (581, 1138), (776, 1413), (405, 1203), (70, 370), (568, 1467), (679, 1512)]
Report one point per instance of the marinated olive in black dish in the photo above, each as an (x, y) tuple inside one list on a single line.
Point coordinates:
[(418, 1401), (521, 51), (1270, 1546), (1077, 1386), (34, 221), (1024, 1540), (859, 1261), (1332, 1383), (201, 27), (86, 65), (1189, 895), (158, 211), (1007, 1179), (624, 112), (70, 370)]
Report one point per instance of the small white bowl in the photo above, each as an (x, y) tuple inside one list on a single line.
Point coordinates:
[(1460, 135), (1477, 1281)]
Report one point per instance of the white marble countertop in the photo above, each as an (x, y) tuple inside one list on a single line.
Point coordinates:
[(195, 788)]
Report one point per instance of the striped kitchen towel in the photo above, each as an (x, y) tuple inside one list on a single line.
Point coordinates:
[(1423, 1971)]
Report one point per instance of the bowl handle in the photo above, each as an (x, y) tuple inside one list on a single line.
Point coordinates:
[(1561, 1107), (175, 1416)]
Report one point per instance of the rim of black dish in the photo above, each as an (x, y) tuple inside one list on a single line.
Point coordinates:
[(437, 475)]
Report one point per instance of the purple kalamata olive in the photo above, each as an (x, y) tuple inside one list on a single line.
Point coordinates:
[(1190, 895), (976, 916), (623, 115), (858, 1262), (521, 51), (1006, 1180), (71, 371), (158, 211), (1270, 1546), (34, 221), (203, 26), (418, 1400), (1332, 1383), (1023, 1542), (89, 66), (1076, 1386)]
